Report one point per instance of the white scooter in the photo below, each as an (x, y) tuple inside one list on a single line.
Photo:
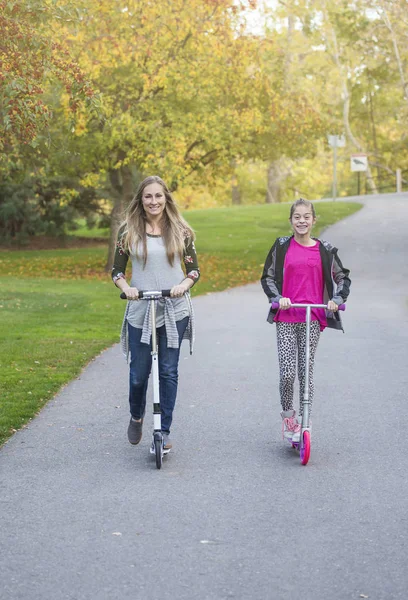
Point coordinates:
[(157, 447)]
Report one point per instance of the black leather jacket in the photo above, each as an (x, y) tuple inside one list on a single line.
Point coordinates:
[(336, 277)]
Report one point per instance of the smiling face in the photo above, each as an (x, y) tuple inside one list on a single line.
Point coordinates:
[(302, 221), (153, 200)]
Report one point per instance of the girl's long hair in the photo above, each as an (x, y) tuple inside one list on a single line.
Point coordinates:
[(174, 229)]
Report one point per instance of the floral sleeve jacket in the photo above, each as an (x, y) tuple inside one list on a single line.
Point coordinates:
[(336, 277), (189, 259)]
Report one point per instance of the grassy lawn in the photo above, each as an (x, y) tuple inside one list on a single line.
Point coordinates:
[(58, 309), (83, 231)]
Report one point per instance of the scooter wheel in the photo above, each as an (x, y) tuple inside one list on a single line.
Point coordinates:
[(158, 453), (305, 449)]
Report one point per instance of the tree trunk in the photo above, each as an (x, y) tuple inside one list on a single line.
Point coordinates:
[(275, 172), (346, 110), (122, 184), (400, 64), (273, 182), (288, 53), (236, 193), (236, 197)]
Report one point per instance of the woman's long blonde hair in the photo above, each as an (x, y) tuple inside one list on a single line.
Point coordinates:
[(174, 229)]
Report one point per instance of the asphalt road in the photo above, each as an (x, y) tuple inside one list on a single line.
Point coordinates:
[(232, 513)]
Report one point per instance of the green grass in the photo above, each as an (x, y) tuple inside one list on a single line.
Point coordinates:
[(48, 331), (72, 263), (251, 230), (58, 309), (94, 232)]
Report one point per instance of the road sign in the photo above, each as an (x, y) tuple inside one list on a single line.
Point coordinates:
[(336, 141), (359, 162)]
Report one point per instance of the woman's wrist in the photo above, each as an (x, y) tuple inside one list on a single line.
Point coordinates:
[(122, 284), (188, 283)]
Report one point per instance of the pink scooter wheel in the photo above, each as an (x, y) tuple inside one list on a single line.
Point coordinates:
[(305, 450)]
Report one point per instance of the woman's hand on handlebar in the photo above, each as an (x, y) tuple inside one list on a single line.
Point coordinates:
[(179, 290), (332, 306), (132, 293), (284, 303)]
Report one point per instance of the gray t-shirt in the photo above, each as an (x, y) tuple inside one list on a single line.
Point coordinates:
[(157, 274)]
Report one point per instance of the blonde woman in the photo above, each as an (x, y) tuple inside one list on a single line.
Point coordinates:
[(159, 243)]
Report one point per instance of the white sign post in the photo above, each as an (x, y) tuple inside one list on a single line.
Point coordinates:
[(335, 141), (358, 163)]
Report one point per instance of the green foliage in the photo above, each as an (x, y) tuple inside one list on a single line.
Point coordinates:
[(190, 95), (41, 205), (351, 60), (31, 56), (19, 217)]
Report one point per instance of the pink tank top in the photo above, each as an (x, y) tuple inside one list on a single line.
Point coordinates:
[(303, 283)]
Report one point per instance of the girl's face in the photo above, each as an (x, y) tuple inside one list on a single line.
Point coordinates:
[(302, 221), (153, 200)]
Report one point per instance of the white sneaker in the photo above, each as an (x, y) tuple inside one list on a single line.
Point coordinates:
[(296, 436), (290, 425)]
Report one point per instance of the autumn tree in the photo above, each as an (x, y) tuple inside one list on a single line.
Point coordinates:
[(184, 92), (30, 57)]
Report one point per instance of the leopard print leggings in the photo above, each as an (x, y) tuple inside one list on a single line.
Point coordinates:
[(291, 339)]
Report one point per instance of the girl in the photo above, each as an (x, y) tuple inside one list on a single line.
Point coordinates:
[(157, 240), (305, 270)]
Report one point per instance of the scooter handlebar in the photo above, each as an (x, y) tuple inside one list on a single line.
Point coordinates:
[(149, 294), (275, 306)]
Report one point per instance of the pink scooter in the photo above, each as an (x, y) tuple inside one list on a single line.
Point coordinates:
[(304, 444)]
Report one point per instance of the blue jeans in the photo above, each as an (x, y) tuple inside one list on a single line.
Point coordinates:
[(140, 367)]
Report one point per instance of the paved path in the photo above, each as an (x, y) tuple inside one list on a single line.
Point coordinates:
[(232, 514)]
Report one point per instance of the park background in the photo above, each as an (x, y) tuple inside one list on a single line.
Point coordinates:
[(231, 102)]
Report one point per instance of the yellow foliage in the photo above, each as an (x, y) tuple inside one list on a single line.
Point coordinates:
[(184, 90)]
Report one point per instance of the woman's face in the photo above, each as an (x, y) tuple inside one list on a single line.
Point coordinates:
[(302, 220), (153, 200)]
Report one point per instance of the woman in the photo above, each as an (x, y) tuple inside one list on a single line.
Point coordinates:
[(301, 269), (157, 240)]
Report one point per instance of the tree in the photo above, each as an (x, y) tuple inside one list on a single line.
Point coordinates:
[(184, 92), (344, 56), (393, 14), (31, 56)]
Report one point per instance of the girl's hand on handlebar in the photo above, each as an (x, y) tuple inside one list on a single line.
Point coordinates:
[(132, 293), (332, 306), (178, 290), (284, 303)]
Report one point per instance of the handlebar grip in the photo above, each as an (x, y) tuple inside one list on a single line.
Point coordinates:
[(164, 293), (342, 307), (124, 297)]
